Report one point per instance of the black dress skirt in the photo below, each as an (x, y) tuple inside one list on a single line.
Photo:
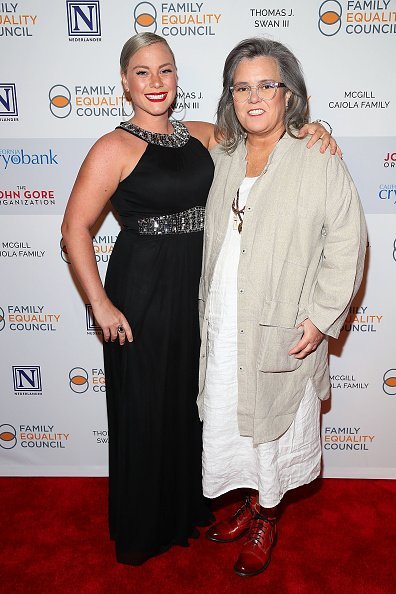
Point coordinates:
[(155, 436)]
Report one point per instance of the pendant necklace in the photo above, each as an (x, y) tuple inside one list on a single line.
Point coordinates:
[(238, 213)]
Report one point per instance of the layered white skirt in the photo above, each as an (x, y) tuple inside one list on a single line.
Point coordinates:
[(230, 461)]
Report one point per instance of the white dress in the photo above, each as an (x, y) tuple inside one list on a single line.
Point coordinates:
[(230, 461)]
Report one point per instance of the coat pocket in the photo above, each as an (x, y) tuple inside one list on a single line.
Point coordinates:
[(275, 344)]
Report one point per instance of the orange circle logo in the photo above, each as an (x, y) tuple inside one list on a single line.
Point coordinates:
[(330, 12), (8, 439), (78, 380), (145, 17), (60, 101), (389, 385)]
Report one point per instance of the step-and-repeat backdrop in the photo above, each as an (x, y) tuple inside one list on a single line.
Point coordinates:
[(60, 90)]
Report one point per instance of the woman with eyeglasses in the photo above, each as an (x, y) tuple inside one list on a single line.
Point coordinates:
[(284, 247), (157, 173)]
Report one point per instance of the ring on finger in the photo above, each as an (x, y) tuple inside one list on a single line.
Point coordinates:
[(120, 329)]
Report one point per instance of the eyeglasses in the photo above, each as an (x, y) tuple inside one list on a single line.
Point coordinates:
[(265, 90)]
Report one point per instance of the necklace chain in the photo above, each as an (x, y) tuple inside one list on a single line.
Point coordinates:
[(238, 212)]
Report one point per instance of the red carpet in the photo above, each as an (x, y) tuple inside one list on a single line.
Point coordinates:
[(334, 536)]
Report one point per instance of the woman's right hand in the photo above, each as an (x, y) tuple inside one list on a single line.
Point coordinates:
[(110, 319)]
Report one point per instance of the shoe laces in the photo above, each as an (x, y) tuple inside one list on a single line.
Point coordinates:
[(246, 506), (259, 529)]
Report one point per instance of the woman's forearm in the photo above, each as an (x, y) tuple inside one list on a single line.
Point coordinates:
[(82, 258)]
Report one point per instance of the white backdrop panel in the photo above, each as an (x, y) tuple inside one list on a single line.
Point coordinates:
[(59, 91)]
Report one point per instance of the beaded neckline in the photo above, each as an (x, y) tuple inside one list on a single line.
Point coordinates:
[(177, 139)]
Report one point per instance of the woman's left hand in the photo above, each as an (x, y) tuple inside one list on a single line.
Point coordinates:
[(309, 342), (318, 132)]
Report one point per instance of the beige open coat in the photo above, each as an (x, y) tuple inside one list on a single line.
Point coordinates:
[(302, 254)]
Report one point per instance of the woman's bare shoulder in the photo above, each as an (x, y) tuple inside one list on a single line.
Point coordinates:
[(117, 140), (118, 149)]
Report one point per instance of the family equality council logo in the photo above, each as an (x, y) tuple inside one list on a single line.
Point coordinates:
[(15, 20), (80, 380), (176, 19), (358, 17), (32, 436), (99, 100)]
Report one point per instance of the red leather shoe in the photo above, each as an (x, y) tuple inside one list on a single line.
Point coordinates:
[(237, 525), (255, 555)]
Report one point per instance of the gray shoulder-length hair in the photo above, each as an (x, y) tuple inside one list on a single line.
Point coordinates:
[(229, 131), (138, 41)]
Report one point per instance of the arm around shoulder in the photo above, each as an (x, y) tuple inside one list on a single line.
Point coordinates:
[(203, 131)]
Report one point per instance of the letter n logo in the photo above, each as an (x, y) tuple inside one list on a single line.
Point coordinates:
[(8, 100), (27, 378), (92, 324), (83, 18)]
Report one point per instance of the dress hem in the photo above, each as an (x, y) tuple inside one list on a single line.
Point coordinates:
[(270, 502)]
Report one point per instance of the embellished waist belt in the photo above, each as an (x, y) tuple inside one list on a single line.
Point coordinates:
[(188, 221)]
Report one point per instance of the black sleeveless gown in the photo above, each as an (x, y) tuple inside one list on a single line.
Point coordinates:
[(155, 436)]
